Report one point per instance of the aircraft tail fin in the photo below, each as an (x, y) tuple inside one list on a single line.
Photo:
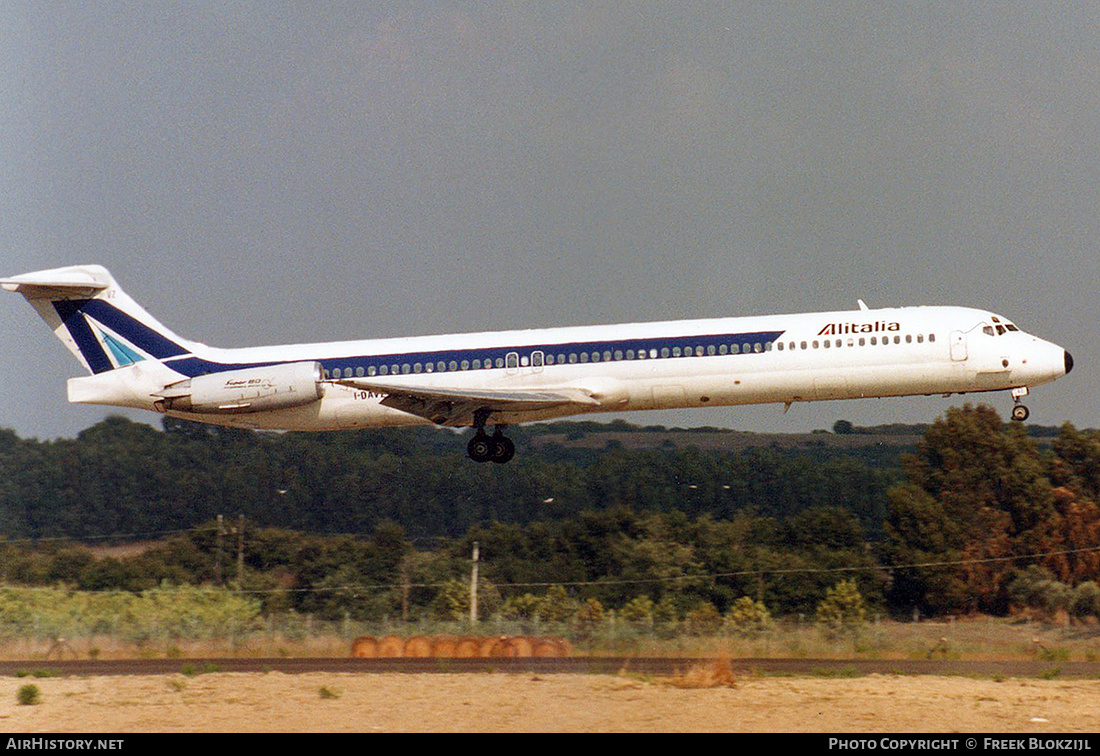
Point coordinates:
[(99, 323)]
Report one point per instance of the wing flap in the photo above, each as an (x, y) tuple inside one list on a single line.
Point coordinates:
[(456, 406)]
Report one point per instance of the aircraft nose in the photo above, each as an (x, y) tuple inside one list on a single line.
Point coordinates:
[(1069, 362)]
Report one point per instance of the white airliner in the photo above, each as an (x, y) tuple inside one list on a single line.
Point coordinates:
[(508, 377)]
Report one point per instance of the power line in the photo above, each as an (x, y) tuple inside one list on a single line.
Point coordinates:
[(113, 536), (675, 579), (688, 578)]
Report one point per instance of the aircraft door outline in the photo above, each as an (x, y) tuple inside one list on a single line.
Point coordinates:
[(958, 346)]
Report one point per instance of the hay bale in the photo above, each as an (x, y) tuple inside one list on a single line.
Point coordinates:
[(494, 647), (364, 647), (468, 647), (391, 647), (443, 646), (418, 646), (520, 647), (546, 648)]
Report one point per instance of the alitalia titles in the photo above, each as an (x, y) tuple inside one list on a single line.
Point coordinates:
[(838, 329)]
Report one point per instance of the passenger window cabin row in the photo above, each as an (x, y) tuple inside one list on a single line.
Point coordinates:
[(541, 358), (852, 341)]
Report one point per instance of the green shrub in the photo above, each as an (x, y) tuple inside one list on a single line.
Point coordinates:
[(842, 611), (638, 612), (747, 617), (1086, 600), (557, 606), (29, 695), (589, 617), (704, 619)]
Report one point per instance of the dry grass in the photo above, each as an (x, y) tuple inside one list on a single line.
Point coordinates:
[(121, 551), (716, 674), (976, 640), (980, 639)]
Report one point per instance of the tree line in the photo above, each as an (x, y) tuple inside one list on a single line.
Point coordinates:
[(120, 477), (978, 517)]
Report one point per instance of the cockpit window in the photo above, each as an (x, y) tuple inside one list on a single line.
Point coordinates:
[(999, 327)]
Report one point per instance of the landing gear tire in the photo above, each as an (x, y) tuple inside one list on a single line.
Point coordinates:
[(480, 448), (498, 448), (503, 449), (1020, 413)]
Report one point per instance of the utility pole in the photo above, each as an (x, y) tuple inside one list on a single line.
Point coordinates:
[(473, 587), (240, 552), (218, 552), (405, 588)]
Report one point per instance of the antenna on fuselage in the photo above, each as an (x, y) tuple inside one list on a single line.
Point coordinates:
[(863, 305)]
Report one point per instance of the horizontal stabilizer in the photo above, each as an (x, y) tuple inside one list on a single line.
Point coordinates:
[(58, 282)]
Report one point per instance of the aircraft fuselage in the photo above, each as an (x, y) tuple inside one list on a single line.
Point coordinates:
[(508, 377)]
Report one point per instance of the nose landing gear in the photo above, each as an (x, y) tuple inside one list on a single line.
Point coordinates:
[(1019, 411)]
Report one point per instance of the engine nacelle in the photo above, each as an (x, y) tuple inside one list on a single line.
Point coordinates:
[(250, 390)]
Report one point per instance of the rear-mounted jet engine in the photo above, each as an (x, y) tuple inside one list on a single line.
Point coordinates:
[(249, 390)]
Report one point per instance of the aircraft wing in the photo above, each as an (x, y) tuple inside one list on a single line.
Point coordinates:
[(456, 406)]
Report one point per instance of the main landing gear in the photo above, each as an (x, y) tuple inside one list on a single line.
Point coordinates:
[(496, 448), (1019, 411), (485, 448)]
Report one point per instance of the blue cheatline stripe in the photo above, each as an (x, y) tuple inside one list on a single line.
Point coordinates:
[(593, 352), (161, 347), (70, 313), (193, 366)]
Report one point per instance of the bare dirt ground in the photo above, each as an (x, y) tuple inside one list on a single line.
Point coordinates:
[(333, 702)]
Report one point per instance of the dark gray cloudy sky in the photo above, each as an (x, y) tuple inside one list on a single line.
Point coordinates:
[(261, 172)]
